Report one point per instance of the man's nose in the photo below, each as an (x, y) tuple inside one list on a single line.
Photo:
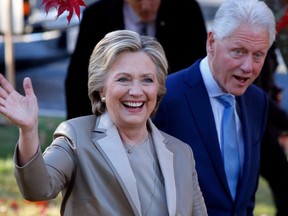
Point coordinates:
[(247, 64)]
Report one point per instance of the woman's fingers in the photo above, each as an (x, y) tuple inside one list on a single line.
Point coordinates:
[(6, 87), (28, 88)]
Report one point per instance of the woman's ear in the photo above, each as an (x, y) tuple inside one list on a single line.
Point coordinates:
[(102, 96)]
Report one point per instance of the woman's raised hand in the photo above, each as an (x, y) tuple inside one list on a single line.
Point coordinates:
[(20, 110)]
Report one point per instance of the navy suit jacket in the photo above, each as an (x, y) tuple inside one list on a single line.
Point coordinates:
[(185, 112)]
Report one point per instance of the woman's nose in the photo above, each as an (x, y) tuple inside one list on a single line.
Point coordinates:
[(136, 89)]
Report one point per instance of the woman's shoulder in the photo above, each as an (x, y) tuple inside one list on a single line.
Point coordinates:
[(178, 147), (74, 127), (79, 122), (172, 140)]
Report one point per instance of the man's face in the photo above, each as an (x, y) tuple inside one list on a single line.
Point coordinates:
[(237, 60), (146, 9)]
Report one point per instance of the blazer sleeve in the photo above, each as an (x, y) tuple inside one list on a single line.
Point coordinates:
[(46, 175)]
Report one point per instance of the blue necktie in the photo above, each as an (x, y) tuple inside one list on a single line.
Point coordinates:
[(229, 143)]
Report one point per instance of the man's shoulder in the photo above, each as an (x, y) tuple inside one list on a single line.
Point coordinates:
[(194, 66), (253, 91), (187, 76), (255, 99)]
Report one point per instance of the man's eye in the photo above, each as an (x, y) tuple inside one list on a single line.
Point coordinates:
[(237, 53), (258, 55)]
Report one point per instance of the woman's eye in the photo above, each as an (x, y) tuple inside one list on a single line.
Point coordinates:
[(123, 79), (148, 80)]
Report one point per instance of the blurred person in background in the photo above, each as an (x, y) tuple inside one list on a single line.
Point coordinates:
[(274, 163), (178, 25)]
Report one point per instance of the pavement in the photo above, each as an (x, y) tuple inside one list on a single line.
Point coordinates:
[(46, 64)]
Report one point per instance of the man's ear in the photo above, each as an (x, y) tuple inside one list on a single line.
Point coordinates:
[(210, 43)]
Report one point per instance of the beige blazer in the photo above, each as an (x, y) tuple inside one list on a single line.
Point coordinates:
[(104, 183)]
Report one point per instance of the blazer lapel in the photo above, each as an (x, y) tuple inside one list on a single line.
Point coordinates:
[(244, 106), (111, 146), (199, 103), (165, 158)]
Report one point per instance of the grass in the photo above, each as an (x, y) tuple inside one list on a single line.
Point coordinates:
[(264, 201), (12, 203)]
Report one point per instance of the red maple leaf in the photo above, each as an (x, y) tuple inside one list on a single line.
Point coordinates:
[(64, 5), (282, 22)]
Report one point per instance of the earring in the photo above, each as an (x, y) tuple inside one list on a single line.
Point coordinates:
[(103, 99)]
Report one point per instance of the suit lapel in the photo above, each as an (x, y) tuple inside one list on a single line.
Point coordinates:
[(244, 106), (165, 158), (199, 104), (111, 146)]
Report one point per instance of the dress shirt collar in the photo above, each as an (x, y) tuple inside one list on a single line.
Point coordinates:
[(211, 85), (133, 22)]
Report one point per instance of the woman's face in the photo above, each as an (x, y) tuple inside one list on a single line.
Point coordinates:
[(131, 89)]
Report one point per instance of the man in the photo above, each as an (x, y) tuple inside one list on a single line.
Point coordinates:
[(177, 25), (237, 44)]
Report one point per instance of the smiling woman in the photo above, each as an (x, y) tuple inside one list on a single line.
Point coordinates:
[(126, 82)]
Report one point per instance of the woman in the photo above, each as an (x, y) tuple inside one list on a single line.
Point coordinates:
[(115, 162)]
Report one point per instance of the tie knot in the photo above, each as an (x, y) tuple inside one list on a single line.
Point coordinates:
[(227, 100), (143, 28)]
